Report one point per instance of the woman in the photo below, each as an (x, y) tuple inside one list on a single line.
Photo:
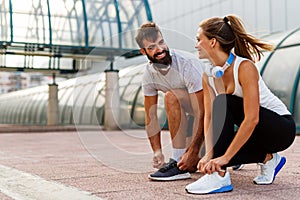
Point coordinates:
[(236, 95)]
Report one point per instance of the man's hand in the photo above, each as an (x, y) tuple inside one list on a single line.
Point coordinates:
[(158, 160), (189, 162)]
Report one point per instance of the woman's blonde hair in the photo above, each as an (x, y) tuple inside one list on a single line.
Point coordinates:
[(230, 33)]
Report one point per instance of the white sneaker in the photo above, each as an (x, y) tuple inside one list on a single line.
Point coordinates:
[(269, 170), (210, 183)]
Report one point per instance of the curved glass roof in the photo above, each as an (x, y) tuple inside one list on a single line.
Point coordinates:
[(82, 99), (281, 71), (70, 28), (71, 22)]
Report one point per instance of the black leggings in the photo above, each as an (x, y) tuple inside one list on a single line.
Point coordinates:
[(273, 132)]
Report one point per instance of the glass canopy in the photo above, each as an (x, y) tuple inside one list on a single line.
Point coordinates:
[(66, 30), (281, 72)]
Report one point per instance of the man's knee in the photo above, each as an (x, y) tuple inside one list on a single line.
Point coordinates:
[(170, 98)]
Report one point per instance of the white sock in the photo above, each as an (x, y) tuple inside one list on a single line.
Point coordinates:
[(177, 153)]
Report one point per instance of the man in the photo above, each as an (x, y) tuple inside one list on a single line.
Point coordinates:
[(180, 78)]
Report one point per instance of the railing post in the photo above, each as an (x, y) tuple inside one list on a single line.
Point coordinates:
[(52, 108), (112, 100)]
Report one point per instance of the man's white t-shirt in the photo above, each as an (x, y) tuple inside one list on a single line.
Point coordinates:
[(185, 73)]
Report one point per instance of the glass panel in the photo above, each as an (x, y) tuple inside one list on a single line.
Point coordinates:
[(297, 108), (19, 109), (6, 110), (126, 101), (14, 61), (274, 38), (282, 67), (30, 21), (5, 31), (103, 24), (41, 112), (92, 101), (263, 59), (34, 110), (63, 100), (79, 93), (139, 111), (97, 114), (66, 116), (27, 104), (84, 104), (293, 39), (66, 90), (99, 107), (161, 112), (67, 22), (137, 79)]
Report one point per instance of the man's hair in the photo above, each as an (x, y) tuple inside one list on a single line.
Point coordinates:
[(148, 31)]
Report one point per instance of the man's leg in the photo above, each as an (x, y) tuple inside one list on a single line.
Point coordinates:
[(177, 103), (190, 124)]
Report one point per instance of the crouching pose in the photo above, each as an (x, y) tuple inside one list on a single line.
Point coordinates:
[(176, 75), (236, 95)]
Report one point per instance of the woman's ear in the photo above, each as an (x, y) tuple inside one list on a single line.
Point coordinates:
[(213, 42)]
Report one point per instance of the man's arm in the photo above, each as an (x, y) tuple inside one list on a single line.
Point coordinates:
[(198, 126), (153, 129), (190, 159)]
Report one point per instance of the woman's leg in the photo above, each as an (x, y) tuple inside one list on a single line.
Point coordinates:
[(272, 134)]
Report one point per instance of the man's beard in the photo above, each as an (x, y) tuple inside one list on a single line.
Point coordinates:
[(161, 63)]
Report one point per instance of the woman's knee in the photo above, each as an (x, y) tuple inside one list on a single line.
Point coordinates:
[(220, 100), (227, 101)]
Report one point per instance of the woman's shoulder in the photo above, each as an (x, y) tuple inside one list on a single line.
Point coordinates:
[(243, 62), (246, 70)]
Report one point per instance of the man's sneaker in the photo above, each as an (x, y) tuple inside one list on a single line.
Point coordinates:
[(238, 167), (210, 183), (269, 170), (169, 172)]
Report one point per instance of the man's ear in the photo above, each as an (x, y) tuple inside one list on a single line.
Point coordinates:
[(143, 51)]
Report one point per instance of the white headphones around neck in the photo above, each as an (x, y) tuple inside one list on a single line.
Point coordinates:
[(217, 71)]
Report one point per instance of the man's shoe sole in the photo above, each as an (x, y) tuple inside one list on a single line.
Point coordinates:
[(171, 178)]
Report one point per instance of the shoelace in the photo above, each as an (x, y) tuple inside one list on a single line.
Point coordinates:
[(264, 170), (168, 166), (207, 178)]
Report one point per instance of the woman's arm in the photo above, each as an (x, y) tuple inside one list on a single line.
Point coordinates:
[(248, 78), (208, 99)]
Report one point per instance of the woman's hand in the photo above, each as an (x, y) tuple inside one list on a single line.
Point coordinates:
[(214, 165), (205, 159)]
